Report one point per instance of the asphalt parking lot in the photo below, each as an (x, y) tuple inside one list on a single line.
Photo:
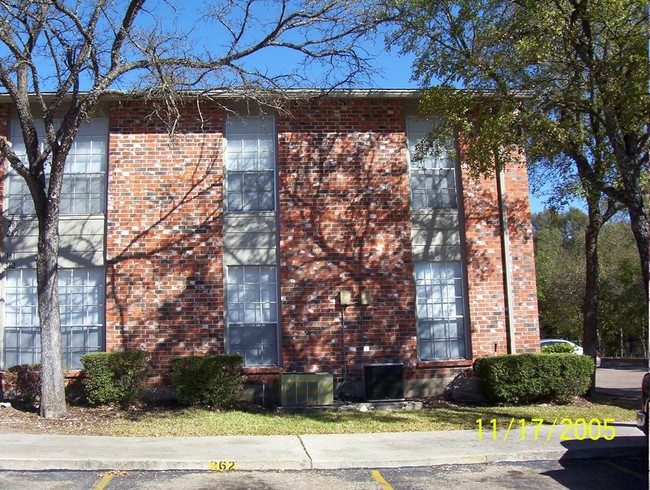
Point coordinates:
[(588, 474), (620, 382)]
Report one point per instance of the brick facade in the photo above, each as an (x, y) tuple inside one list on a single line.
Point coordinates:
[(484, 258), (163, 235), (343, 225)]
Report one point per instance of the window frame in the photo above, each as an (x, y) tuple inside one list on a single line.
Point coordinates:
[(237, 166), (94, 132), (461, 320), (431, 169), (69, 330)]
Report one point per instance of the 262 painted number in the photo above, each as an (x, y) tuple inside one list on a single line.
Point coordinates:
[(222, 466)]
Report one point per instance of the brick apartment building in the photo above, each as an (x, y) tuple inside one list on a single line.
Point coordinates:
[(307, 241)]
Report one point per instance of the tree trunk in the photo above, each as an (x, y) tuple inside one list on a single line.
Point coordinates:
[(52, 377), (640, 228), (592, 287)]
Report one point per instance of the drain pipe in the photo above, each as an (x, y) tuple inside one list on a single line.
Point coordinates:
[(505, 256)]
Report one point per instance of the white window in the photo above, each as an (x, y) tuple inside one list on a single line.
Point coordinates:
[(432, 177), (252, 314), (250, 164), (439, 304), (81, 296), (84, 181)]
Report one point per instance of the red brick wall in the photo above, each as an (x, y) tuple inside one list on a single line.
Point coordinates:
[(522, 254), (164, 234), (344, 225), (485, 273)]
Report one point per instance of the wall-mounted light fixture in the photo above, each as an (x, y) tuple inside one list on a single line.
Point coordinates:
[(366, 298)]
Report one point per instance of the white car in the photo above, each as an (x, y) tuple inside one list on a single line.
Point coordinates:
[(576, 348)]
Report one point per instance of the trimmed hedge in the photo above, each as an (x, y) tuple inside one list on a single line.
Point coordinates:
[(533, 378), (208, 380), (115, 377), (26, 382), (558, 349)]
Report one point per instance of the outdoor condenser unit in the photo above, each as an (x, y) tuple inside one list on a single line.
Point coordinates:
[(383, 382), (300, 389)]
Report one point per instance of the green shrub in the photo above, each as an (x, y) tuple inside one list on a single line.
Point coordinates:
[(114, 377), (533, 378), (207, 380), (26, 382), (558, 349)]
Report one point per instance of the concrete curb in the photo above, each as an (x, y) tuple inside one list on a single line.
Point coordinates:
[(320, 452)]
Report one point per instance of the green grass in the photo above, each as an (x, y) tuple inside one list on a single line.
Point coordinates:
[(201, 422)]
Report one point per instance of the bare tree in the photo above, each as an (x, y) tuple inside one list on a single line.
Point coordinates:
[(60, 58)]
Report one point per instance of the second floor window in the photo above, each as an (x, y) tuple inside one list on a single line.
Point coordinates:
[(84, 182), (250, 164), (433, 177)]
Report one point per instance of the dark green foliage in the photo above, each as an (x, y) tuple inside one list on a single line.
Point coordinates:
[(115, 377), (558, 349), (207, 380), (26, 381), (533, 378), (560, 265)]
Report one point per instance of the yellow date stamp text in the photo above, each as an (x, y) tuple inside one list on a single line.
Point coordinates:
[(568, 429)]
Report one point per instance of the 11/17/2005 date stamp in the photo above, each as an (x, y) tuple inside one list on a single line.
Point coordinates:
[(568, 429)]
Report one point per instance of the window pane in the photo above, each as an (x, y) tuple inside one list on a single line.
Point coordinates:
[(456, 349), (252, 355), (426, 350), (440, 350), (237, 335)]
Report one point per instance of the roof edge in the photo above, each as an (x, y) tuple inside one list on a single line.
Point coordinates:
[(234, 94)]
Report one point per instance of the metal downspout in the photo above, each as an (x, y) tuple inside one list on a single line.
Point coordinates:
[(506, 259)]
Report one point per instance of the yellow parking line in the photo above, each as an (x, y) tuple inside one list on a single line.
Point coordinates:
[(106, 479), (380, 479)]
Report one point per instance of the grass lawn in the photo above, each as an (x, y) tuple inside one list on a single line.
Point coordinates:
[(202, 422)]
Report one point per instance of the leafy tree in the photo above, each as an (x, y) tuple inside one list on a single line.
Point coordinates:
[(560, 266), (60, 58), (559, 260), (623, 314), (565, 80)]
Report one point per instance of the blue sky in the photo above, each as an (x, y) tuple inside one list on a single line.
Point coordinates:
[(394, 69)]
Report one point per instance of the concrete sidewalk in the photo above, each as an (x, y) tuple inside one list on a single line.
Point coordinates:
[(336, 451)]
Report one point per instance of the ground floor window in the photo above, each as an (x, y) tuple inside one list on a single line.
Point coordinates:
[(252, 314), (440, 310), (81, 296)]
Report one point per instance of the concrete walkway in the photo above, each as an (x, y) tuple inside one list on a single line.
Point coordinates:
[(337, 451)]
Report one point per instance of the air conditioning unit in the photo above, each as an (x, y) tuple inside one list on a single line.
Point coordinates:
[(383, 382), (301, 389)]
